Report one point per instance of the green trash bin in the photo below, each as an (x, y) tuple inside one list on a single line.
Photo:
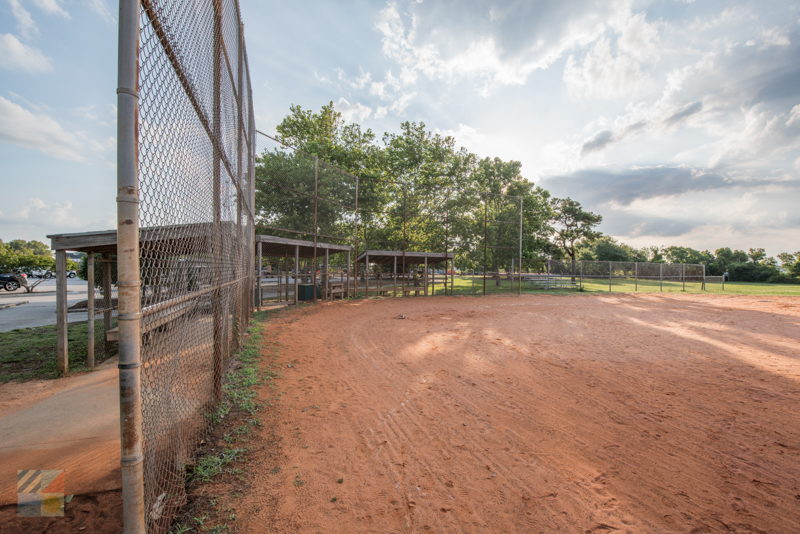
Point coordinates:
[(306, 292)]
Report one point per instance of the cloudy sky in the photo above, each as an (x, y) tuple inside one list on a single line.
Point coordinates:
[(678, 121)]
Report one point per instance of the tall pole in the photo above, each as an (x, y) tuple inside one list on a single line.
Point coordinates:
[(128, 284), (485, 216), (355, 264), (316, 230), (519, 265)]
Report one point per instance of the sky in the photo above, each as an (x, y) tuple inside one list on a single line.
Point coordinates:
[(678, 121)]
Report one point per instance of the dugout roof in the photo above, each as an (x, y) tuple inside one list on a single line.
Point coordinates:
[(387, 257), (272, 245)]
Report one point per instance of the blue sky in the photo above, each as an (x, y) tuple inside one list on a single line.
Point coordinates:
[(678, 121)]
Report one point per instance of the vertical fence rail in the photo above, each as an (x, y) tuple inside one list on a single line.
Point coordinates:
[(128, 283), (186, 237)]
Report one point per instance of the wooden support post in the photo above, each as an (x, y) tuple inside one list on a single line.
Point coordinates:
[(62, 354), (107, 303), (433, 281), (90, 310), (452, 275), (366, 274), (296, 272), (394, 278), (259, 290), (347, 277), (425, 277), (327, 271)]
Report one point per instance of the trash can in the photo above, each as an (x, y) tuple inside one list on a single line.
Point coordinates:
[(306, 292)]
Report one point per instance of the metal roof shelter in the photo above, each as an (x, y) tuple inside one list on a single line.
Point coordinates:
[(274, 246), (404, 259), (388, 257), (101, 242), (282, 246)]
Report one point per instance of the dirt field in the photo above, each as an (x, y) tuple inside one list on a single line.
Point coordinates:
[(574, 414)]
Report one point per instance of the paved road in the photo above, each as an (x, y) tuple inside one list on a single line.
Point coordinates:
[(40, 308)]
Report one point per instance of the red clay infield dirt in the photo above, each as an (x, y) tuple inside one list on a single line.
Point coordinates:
[(573, 414)]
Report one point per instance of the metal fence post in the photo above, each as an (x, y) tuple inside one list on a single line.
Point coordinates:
[(128, 284), (683, 276), (316, 230), (519, 266), (661, 276), (609, 277), (216, 230), (636, 276), (485, 216)]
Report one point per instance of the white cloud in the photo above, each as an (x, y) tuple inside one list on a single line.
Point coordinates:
[(603, 74), (15, 55), (356, 112), (37, 131), (25, 23), (794, 116), (57, 214), (101, 9), (482, 51), (52, 7), (774, 37)]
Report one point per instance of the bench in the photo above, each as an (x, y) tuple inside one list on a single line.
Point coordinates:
[(157, 320)]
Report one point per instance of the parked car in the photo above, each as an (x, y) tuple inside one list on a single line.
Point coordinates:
[(41, 273), (12, 281)]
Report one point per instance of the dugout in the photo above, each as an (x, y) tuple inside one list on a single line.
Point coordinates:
[(402, 267), (288, 268)]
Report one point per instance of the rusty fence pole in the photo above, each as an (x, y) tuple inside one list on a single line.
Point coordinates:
[(128, 284)]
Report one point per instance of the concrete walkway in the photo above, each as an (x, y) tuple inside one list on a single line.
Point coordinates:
[(69, 423)]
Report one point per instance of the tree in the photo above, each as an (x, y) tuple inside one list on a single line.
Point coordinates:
[(573, 225)]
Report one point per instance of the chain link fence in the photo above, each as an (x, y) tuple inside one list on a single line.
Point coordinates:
[(185, 236), (624, 275)]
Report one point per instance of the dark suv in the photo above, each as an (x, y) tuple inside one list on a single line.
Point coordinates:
[(12, 282)]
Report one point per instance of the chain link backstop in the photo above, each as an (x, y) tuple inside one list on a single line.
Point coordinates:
[(185, 236)]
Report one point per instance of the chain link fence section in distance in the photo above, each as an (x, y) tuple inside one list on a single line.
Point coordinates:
[(625, 276)]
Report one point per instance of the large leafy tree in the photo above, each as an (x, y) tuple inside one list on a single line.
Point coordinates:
[(573, 226)]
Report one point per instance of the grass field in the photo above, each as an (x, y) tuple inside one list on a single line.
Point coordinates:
[(30, 353), (473, 285)]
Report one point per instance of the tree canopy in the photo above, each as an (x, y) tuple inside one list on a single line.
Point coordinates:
[(416, 190)]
